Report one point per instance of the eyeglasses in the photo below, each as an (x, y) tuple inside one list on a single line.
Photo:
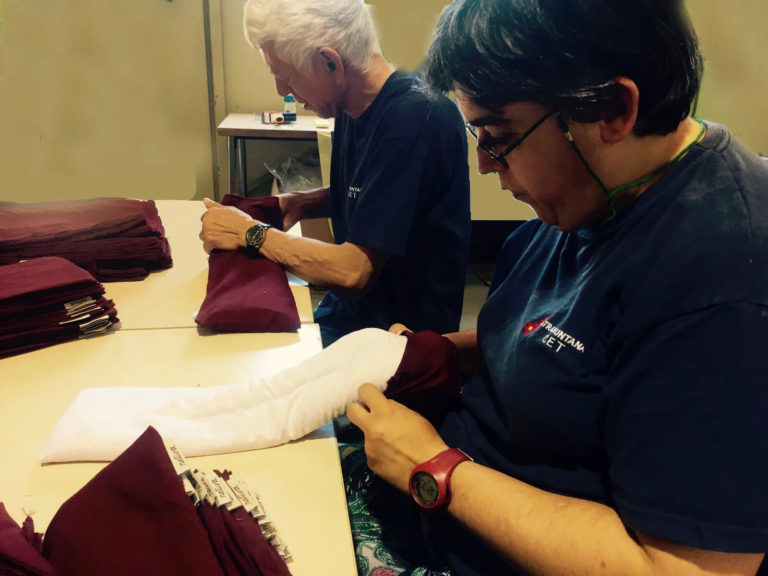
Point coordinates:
[(499, 157)]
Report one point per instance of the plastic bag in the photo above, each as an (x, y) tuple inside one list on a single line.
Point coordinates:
[(297, 173)]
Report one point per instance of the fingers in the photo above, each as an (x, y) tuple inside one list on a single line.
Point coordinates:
[(399, 328), (369, 397), (208, 203), (356, 414)]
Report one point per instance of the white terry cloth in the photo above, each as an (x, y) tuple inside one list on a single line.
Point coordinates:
[(102, 422)]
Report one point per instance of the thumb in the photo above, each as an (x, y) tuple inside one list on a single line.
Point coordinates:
[(210, 203)]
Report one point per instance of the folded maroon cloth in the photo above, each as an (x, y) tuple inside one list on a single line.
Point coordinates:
[(20, 548), (36, 283), (44, 336), (255, 555), (112, 238), (428, 379), (264, 209), (247, 294), (45, 301), (42, 223), (14, 323), (230, 559), (132, 518), (261, 557)]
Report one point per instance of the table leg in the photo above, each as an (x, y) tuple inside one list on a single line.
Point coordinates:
[(243, 176), (232, 157)]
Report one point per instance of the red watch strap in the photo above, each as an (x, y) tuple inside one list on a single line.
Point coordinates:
[(441, 468)]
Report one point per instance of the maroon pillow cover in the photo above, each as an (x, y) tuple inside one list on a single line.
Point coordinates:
[(246, 294)]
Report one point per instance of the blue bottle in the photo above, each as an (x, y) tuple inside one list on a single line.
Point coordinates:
[(289, 108)]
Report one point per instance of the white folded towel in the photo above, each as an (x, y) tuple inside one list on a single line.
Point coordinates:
[(102, 422)]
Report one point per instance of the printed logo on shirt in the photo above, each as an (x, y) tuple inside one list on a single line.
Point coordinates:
[(533, 326), (353, 191), (557, 339)]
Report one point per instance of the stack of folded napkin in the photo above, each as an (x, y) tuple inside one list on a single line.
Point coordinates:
[(45, 301), (112, 238)]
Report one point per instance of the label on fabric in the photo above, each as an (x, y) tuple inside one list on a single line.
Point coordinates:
[(221, 496), (177, 458), (204, 488)]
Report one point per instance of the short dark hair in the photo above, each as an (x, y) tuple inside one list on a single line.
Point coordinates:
[(565, 54)]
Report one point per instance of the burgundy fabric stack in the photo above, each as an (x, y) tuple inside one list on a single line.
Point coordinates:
[(48, 300), (134, 517), (114, 239), (20, 549), (246, 294)]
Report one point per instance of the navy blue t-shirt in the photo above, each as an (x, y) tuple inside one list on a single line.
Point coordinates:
[(625, 364), (400, 184)]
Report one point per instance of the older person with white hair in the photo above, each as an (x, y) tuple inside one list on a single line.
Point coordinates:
[(399, 190)]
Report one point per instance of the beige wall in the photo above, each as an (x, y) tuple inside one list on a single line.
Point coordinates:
[(103, 98), (735, 89), (734, 42)]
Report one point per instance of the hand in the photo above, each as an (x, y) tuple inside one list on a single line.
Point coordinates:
[(396, 438), (290, 206), (399, 329), (224, 227)]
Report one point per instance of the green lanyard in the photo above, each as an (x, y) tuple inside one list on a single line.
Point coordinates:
[(609, 194)]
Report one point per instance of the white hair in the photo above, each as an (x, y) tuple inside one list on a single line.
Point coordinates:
[(299, 27)]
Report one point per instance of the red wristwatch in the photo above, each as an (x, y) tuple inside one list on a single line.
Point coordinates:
[(430, 481)]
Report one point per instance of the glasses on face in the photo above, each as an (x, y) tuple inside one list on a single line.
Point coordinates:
[(499, 157)]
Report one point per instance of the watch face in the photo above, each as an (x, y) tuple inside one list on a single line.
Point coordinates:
[(253, 236), (425, 488)]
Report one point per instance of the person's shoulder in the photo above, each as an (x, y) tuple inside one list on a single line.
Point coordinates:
[(410, 98), (726, 180), (733, 155), (708, 226)]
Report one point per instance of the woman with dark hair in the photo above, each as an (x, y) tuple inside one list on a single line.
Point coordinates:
[(615, 422)]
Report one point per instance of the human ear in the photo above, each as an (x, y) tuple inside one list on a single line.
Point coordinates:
[(329, 61), (617, 126)]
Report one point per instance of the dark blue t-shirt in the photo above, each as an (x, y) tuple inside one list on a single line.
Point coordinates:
[(625, 364), (400, 184)]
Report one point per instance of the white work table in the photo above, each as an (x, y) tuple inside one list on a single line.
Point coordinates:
[(170, 298), (300, 483), (158, 344)]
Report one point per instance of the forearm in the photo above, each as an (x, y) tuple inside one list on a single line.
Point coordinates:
[(466, 342), (344, 266), (547, 534), (541, 532), (297, 206)]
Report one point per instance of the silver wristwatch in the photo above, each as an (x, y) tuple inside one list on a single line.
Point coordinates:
[(254, 237)]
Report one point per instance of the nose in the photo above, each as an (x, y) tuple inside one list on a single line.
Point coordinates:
[(486, 164), (283, 87)]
